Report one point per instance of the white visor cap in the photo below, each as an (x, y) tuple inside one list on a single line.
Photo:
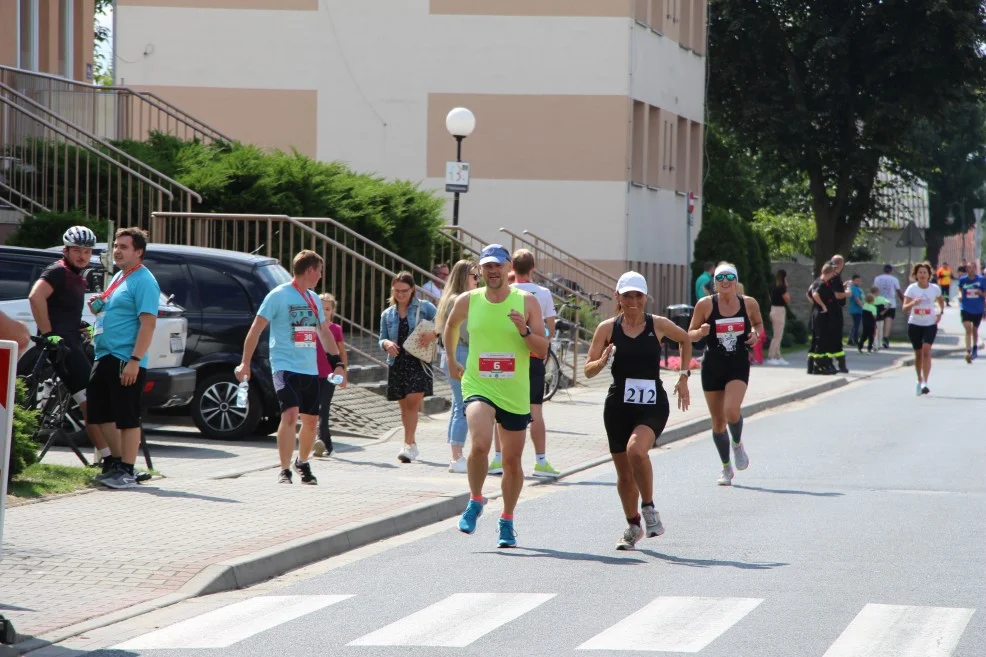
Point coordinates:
[(631, 282)]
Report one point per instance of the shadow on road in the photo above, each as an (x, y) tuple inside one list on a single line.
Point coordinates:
[(785, 491), (162, 492), (566, 556), (389, 466), (708, 563)]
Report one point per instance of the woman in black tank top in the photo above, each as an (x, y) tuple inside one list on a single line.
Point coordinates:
[(637, 407), (733, 324)]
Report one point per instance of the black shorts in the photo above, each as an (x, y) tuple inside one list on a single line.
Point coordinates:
[(301, 391), (537, 381), (509, 421), (718, 371), (75, 367), (889, 313), (109, 400), (921, 335), (975, 318), (621, 419)]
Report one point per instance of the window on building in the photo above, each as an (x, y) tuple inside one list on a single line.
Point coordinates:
[(685, 29), (28, 56), (66, 41), (657, 14), (699, 16), (695, 157), (681, 155), (640, 8), (653, 146), (638, 147)]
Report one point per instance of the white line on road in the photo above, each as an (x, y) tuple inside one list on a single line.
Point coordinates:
[(225, 626), (456, 621), (674, 624), (902, 631)]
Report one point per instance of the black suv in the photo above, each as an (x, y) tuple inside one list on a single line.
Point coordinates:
[(221, 292)]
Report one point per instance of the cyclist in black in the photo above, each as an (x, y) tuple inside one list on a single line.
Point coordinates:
[(56, 303), (637, 407), (734, 324)]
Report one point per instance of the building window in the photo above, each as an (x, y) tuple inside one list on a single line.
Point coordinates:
[(681, 135), (66, 40), (685, 33), (638, 146), (653, 146), (699, 17), (695, 157), (28, 55), (640, 11)]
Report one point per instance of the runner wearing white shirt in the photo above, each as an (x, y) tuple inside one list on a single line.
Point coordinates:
[(890, 290), (922, 326), (523, 268), (432, 292)]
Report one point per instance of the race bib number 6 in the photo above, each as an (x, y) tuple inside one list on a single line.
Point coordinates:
[(640, 391), (497, 365)]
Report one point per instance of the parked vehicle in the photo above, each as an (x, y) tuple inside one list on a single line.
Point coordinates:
[(220, 292), (167, 382)]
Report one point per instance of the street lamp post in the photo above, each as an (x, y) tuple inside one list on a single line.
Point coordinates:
[(460, 123)]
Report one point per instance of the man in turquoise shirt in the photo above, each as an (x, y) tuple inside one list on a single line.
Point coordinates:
[(703, 284)]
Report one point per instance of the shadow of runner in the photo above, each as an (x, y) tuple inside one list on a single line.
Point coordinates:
[(162, 492), (708, 563), (370, 463), (785, 491), (564, 556)]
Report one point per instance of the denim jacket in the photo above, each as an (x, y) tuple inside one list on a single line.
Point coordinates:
[(390, 320)]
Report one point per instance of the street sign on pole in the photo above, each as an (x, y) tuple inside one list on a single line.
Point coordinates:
[(911, 237), (8, 373), (457, 177)]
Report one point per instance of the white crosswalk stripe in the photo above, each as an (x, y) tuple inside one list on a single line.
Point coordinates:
[(474, 614), (674, 624), (221, 628), (902, 631)]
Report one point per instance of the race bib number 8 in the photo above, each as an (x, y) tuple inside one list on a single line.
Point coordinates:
[(729, 331), (922, 311), (497, 366), (640, 391), (304, 337)]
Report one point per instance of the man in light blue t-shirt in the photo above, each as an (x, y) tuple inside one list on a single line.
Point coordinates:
[(297, 325), (126, 314)]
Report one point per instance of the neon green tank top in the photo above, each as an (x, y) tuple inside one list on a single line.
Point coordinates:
[(499, 361)]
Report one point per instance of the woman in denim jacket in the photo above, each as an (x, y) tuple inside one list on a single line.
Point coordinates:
[(408, 379)]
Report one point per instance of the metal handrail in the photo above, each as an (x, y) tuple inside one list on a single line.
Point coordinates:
[(577, 262), (30, 200), (570, 256), (153, 98), (86, 147), (101, 142)]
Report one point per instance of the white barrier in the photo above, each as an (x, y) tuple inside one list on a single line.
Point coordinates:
[(8, 376)]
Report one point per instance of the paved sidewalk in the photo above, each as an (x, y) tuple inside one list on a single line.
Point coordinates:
[(203, 528)]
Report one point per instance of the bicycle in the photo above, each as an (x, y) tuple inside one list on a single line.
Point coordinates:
[(558, 350)]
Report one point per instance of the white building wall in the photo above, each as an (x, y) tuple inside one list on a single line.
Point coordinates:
[(665, 75), (657, 229)]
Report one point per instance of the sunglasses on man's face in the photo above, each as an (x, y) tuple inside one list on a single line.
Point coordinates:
[(725, 277)]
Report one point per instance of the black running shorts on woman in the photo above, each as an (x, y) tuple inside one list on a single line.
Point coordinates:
[(726, 358), (636, 396), (921, 335)]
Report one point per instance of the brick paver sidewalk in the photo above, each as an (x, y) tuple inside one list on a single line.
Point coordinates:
[(79, 557)]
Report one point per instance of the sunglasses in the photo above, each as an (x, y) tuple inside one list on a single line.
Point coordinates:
[(725, 277)]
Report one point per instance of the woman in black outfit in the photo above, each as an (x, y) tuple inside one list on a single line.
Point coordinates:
[(822, 350), (734, 324), (637, 407)]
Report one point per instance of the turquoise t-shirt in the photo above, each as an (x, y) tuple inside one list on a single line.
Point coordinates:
[(857, 294), (293, 329), (116, 327), (700, 283)]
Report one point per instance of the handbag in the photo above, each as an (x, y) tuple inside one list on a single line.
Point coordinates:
[(414, 344)]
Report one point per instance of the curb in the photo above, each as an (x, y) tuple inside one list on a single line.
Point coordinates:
[(275, 561)]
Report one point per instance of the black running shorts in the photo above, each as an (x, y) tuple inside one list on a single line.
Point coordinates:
[(537, 381), (921, 335), (301, 391), (75, 368), (975, 318), (109, 400), (622, 419), (509, 421), (718, 371)]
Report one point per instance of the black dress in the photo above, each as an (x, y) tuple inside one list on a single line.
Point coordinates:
[(407, 375)]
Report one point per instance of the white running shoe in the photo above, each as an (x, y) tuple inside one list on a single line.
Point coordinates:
[(917, 390), (740, 457), (782, 362), (652, 522), (458, 466), (631, 535), (408, 453), (726, 478)]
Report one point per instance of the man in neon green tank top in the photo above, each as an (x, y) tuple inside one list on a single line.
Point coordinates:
[(505, 327)]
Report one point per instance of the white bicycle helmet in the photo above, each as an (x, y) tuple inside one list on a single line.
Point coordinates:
[(79, 236)]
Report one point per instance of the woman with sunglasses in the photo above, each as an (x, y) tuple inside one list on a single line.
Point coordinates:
[(734, 324), (637, 407), (408, 379)]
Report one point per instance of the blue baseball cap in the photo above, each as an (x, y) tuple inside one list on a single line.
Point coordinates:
[(494, 253)]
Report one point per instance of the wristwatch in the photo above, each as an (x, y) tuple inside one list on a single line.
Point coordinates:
[(528, 332), (136, 358), (687, 374)]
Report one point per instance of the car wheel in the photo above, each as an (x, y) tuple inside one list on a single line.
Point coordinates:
[(215, 413), (268, 425)]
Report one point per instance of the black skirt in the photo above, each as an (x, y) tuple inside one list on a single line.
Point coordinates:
[(407, 375)]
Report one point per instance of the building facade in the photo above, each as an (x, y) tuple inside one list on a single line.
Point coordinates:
[(590, 113), (49, 36)]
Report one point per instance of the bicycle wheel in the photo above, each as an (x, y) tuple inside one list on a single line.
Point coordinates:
[(552, 375)]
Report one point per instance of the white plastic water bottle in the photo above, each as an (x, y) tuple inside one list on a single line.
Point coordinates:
[(335, 379), (242, 394)]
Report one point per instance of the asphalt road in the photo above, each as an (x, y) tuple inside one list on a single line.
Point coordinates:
[(857, 531)]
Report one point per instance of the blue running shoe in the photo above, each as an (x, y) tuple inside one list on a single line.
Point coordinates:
[(467, 523), (508, 537)]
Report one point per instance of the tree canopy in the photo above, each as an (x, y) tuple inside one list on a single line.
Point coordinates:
[(833, 89)]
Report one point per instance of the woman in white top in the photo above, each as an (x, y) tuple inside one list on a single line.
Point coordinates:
[(922, 325)]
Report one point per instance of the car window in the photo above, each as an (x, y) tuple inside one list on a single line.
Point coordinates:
[(273, 275), (172, 279), (16, 279), (218, 292)]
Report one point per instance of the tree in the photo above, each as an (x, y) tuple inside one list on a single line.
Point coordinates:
[(832, 89), (102, 71)]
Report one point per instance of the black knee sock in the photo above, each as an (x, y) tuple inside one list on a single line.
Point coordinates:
[(722, 444), (736, 430), (644, 505)]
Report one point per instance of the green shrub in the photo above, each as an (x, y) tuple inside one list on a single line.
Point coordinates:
[(23, 450), (797, 330), (721, 238), (45, 229)]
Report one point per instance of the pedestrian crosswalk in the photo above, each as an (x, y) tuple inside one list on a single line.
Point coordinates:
[(672, 624)]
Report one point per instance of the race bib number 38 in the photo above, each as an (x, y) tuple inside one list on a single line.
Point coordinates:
[(497, 366), (640, 391)]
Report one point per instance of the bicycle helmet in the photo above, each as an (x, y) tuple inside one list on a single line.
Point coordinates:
[(79, 236)]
